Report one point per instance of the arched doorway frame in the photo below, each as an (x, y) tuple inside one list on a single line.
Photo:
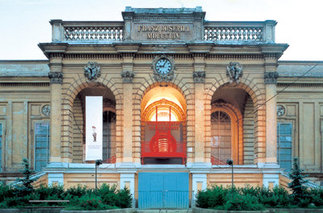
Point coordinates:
[(138, 109), (236, 129), (258, 96), (68, 95)]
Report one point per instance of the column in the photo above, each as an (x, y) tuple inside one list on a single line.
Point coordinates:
[(56, 79)]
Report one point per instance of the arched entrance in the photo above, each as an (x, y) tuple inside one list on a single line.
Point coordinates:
[(109, 123), (163, 126), (232, 126)]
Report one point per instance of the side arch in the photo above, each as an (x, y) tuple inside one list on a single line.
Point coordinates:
[(69, 93), (258, 97)]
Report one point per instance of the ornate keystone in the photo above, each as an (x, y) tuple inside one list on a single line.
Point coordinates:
[(234, 71), (199, 76), (92, 71), (55, 77), (271, 77), (127, 76)]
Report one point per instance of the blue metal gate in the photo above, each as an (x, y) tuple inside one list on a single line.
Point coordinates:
[(163, 190)]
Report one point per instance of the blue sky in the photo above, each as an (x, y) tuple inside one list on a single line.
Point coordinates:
[(25, 23)]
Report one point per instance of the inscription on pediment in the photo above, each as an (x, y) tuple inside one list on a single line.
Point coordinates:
[(153, 32)]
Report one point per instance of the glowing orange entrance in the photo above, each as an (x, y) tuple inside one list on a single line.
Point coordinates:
[(163, 129)]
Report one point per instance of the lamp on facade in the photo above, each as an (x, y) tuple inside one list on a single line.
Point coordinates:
[(97, 164)]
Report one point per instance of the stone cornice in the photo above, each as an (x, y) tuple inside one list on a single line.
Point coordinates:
[(53, 48)]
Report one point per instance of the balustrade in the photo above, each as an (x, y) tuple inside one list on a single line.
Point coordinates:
[(216, 31)]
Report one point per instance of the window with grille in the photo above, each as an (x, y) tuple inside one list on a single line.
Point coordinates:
[(284, 145), (42, 139), (221, 138)]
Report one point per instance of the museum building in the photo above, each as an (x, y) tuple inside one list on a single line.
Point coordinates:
[(164, 98)]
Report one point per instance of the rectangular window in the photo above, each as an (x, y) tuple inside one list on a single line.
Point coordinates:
[(42, 139), (284, 145)]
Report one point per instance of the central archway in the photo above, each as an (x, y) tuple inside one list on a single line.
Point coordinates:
[(163, 126)]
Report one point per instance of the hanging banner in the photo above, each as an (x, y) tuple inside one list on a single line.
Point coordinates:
[(94, 121)]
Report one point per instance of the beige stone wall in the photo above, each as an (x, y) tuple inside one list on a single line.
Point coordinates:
[(87, 179), (20, 107), (240, 180), (304, 109), (248, 132)]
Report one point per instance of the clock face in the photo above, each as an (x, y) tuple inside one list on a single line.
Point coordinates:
[(163, 66)]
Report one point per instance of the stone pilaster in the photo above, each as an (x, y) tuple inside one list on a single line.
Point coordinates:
[(198, 76), (56, 78), (270, 78), (127, 76)]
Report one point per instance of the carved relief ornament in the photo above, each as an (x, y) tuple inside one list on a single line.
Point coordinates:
[(92, 71), (199, 76), (234, 71), (127, 76)]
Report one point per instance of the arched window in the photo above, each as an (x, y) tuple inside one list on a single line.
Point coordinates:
[(226, 134), (221, 137)]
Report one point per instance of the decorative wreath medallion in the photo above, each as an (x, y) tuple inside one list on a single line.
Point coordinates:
[(163, 67), (45, 110), (280, 110), (92, 71)]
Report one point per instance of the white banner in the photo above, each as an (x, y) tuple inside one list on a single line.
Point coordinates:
[(94, 123)]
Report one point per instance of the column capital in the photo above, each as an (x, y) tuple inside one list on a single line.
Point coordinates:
[(55, 77), (271, 77)]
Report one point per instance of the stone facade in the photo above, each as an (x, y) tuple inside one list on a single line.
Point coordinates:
[(200, 91)]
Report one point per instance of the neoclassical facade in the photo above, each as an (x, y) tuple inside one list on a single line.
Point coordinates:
[(179, 97)]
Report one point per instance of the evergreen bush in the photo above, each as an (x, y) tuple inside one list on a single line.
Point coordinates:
[(297, 186)]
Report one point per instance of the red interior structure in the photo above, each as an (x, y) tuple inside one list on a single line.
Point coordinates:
[(166, 141)]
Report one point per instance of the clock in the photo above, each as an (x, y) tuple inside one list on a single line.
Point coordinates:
[(163, 67)]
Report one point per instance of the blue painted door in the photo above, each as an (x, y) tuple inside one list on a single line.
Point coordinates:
[(163, 190)]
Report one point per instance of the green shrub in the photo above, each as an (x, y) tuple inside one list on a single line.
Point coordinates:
[(5, 192), (88, 202), (212, 197), (124, 198), (113, 197), (277, 197), (242, 202), (50, 192), (316, 197), (77, 191)]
